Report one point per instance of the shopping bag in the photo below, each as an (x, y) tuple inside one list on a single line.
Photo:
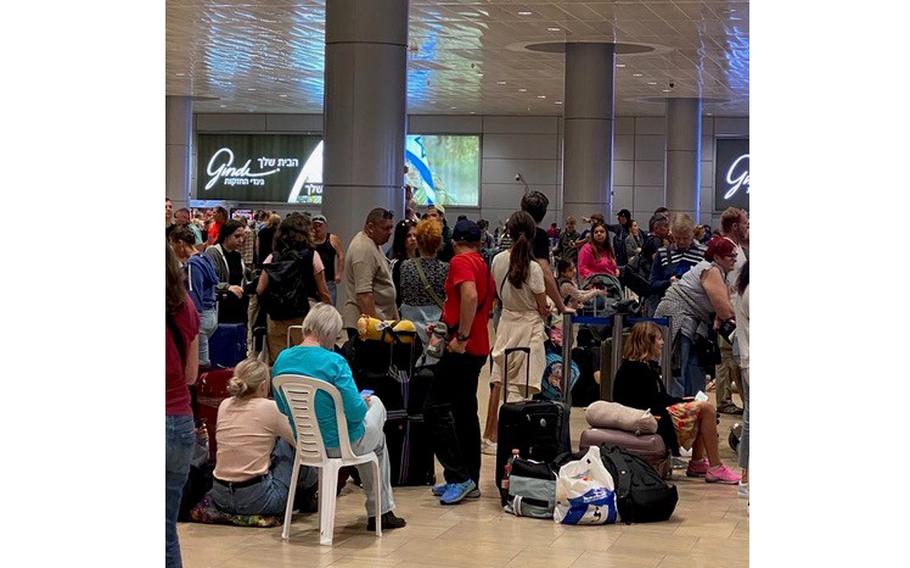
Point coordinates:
[(585, 492)]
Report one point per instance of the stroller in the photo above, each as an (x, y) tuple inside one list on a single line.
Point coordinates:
[(613, 302)]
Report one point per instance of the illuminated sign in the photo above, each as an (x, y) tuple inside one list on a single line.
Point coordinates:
[(731, 173), (259, 168)]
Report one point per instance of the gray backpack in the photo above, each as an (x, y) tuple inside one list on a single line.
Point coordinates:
[(532, 489)]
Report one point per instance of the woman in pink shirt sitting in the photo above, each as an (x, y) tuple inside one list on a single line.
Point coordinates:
[(255, 449), (596, 256)]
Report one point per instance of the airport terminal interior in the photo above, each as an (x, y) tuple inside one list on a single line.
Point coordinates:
[(364, 115)]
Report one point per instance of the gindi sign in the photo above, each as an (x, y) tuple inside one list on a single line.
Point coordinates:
[(731, 173), (262, 168)]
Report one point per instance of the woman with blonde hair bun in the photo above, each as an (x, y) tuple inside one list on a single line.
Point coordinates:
[(255, 449)]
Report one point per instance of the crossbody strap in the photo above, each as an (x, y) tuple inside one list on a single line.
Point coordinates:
[(426, 283)]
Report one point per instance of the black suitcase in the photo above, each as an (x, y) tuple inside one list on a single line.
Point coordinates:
[(538, 429), (403, 393)]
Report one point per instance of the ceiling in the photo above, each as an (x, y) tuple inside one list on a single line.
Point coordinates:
[(465, 56)]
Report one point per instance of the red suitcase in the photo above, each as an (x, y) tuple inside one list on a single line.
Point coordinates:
[(210, 390)]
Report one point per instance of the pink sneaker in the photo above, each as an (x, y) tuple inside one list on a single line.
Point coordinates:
[(722, 474), (698, 468)]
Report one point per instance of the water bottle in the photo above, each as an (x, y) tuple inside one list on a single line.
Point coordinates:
[(507, 470)]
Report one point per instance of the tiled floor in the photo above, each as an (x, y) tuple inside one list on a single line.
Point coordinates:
[(709, 528)]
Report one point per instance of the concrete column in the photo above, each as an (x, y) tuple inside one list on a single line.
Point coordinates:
[(178, 137), (365, 103), (588, 147), (684, 156)]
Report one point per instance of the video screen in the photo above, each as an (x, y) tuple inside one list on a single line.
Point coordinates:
[(444, 169), (273, 168)]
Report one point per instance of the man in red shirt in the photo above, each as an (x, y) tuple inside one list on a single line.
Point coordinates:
[(451, 407)]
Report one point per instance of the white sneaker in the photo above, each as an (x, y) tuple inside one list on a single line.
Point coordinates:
[(684, 453), (743, 490), (487, 447)]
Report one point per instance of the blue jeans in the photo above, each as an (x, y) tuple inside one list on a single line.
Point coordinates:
[(208, 323), (333, 290), (744, 440), (693, 376), (270, 495), (180, 440)]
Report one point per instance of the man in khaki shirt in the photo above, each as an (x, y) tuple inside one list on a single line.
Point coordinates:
[(367, 279)]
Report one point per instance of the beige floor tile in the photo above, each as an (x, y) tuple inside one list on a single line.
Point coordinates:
[(667, 544), (596, 538), (545, 558), (622, 559), (712, 529)]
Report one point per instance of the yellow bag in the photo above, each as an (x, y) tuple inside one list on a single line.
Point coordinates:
[(372, 329)]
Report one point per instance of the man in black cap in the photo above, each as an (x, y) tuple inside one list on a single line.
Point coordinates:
[(451, 406)]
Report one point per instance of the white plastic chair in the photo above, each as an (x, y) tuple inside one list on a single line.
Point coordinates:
[(300, 393)]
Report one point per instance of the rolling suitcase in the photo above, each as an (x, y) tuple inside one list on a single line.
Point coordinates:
[(403, 391), (227, 346), (649, 447), (538, 429), (209, 391)]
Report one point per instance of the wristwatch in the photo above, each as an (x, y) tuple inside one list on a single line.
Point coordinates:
[(462, 338)]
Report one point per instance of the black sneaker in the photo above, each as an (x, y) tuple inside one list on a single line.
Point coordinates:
[(730, 408), (389, 522)]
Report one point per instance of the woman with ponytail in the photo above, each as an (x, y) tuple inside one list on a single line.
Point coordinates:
[(521, 289), (255, 449)]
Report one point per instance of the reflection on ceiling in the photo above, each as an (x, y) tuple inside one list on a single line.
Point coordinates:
[(267, 56)]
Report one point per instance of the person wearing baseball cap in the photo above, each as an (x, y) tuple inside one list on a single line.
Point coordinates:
[(331, 251), (437, 212), (451, 407)]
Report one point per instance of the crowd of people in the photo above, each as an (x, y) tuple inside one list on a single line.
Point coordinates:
[(288, 273)]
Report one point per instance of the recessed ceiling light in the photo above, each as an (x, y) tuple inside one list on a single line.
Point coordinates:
[(620, 65), (665, 90), (637, 75), (554, 30), (525, 13), (468, 14), (453, 108), (500, 82), (283, 96), (223, 106), (557, 102), (541, 96), (652, 82), (709, 113), (250, 89), (181, 74), (522, 90), (472, 112)]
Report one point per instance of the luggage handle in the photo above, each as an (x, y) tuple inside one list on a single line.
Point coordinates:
[(505, 369)]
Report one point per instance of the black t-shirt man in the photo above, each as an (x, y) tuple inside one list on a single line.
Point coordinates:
[(541, 245)]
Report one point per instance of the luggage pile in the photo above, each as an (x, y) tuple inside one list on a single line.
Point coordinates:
[(385, 357)]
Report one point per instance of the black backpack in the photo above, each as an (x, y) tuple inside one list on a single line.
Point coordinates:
[(291, 284), (641, 495)]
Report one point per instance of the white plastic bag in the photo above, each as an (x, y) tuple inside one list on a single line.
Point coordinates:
[(584, 492)]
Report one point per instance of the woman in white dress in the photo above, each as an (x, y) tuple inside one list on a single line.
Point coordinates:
[(521, 290)]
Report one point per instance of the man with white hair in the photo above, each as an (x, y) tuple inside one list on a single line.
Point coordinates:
[(365, 414)]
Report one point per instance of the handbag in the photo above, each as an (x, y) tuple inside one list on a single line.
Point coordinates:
[(426, 283)]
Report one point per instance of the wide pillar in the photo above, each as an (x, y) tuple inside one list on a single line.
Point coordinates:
[(178, 135), (365, 103), (684, 156), (588, 147)]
